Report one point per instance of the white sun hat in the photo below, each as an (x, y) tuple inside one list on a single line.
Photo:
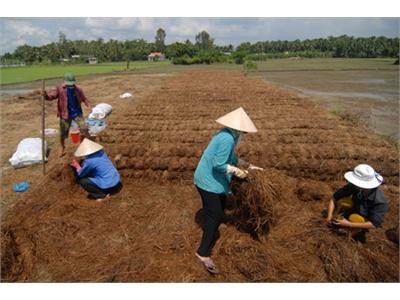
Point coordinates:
[(87, 147), (239, 120), (364, 176)]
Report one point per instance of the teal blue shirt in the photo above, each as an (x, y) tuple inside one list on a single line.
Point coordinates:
[(210, 174)]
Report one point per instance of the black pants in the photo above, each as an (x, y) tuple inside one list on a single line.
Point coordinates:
[(94, 191), (213, 206)]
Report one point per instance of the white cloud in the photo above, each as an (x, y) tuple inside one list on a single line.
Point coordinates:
[(147, 24), (24, 29), (125, 23), (188, 27), (95, 22), (15, 32)]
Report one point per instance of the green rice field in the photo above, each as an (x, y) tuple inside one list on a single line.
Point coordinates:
[(37, 72)]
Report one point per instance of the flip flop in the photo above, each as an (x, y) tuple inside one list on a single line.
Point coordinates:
[(209, 266), (103, 199)]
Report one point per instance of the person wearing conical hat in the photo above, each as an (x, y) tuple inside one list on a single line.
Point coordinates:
[(70, 96), (97, 175), (361, 205), (213, 176)]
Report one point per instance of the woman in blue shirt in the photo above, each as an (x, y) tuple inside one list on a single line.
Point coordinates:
[(97, 175), (213, 176)]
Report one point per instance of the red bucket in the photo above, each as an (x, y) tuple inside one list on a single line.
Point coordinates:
[(75, 136)]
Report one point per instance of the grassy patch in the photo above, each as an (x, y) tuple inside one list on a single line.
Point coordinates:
[(31, 73), (352, 117)]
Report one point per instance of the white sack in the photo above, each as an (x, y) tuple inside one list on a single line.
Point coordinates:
[(29, 151), (100, 111)]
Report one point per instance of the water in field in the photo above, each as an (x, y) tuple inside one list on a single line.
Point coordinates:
[(379, 97), (13, 92), (372, 95)]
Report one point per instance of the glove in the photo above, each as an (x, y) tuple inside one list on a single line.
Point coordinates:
[(236, 171), (253, 167), (244, 164)]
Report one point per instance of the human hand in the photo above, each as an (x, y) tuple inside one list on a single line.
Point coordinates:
[(43, 93), (253, 167), (342, 222), (236, 171), (240, 173), (75, 164)]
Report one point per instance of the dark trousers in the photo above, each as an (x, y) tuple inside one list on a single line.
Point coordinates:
[(213, 206), (94, 191)]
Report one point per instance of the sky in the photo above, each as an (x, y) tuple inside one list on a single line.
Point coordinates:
[(39, 31)]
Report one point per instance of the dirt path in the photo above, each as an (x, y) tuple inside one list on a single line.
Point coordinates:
[(147, 232)]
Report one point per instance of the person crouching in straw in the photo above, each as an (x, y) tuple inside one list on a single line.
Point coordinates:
[(360, 204), (97, 175), (213, 176)]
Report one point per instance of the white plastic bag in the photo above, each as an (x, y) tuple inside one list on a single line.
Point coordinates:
[(50, 131), (100, 111), (95, 126), (125, 95), (29, 151), (94, 130)]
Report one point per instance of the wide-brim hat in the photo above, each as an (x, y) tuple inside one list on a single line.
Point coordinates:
[(364, 176), (239, 120), (87, 147)]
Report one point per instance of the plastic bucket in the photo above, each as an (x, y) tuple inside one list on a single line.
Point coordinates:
[(75, 136)]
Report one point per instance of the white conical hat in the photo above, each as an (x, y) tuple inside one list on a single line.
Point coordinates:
[(239, 120), (87, 147)]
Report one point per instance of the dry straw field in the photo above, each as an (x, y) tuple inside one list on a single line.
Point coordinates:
[(148, 232)]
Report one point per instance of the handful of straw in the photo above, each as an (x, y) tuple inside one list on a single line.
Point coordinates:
[(255, 200)]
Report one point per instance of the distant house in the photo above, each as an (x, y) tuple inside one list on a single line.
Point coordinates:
[(92, 60), (155, 56)]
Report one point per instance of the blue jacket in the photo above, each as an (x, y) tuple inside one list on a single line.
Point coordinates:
[(210, 174), (100, 170)]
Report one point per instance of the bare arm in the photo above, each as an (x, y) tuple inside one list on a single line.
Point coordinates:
[(76, 165), (331, 208), (51, 95), (364, 225), (347, 223)]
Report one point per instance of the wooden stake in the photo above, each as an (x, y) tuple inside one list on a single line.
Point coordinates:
[(43, 128)]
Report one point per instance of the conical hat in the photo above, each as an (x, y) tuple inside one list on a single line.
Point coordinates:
[(239, 120), (87, 147)]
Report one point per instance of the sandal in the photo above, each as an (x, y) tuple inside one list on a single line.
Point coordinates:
[(209, 265), (103, 199)]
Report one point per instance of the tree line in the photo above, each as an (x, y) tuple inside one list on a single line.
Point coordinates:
[(203, 50)]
